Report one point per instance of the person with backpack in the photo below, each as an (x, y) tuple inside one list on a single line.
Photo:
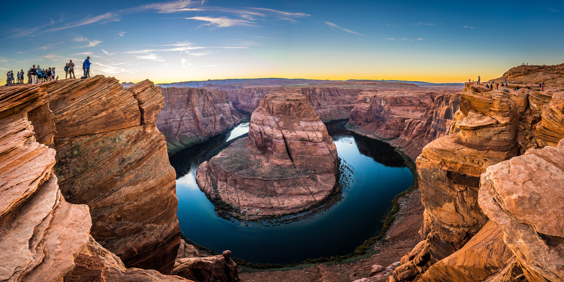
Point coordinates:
[(39, 74), (71, 70), (66, 70), (86, 67)]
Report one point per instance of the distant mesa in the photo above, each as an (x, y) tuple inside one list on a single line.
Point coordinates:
[(288, 162)]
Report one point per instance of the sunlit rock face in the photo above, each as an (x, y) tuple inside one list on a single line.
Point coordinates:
[(287, 164), (111, 156), (481, 200), (192, 115)]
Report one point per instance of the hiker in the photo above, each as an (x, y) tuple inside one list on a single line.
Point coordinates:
[(29, 76), (39, 74), (8, 78), (497, 86), (22, 75), (48, 75), (12, 77), (71, 69), (33, 75), (66, 70), (478, 79), (87, 67), (53, 74), (488, 86)]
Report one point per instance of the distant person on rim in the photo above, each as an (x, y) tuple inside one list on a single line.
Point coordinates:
[(478, 79), (71, 69), (87, 67)]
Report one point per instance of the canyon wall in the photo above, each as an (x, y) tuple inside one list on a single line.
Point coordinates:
[(480, 201), (287, 164), (407, 118), (74, 158), (192, 115), (330, 103)]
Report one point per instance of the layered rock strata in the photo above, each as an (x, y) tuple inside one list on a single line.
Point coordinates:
[(524, 197), (111, 156), (287, 164), (491, 127), (191, 116), (409, 119)]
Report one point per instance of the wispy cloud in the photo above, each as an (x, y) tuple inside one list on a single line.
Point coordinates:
[(104, 18), (420, 39), (151, 57), (112, 68), (46, 47), (342, 28), (553, 10), (120, 34), (175, 47), (222, 21), (185, 64), (108, 53), (169, 7), (468, 27), (91, 43), (390, 38), (83, 54), (282, 13), (3, 60)]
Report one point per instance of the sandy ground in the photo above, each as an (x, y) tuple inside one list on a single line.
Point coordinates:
[(401, 238)]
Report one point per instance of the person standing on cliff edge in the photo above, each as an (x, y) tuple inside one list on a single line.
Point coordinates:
[(478, 79), (71, 69), (87, 67)]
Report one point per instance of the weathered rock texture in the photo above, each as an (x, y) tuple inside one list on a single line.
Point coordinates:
[(111, 157), (491, 126), (208, 269), (331, 103), (407, 118), (534, 74), (192, 115), (40, 233), (525, 197), (287, 164)]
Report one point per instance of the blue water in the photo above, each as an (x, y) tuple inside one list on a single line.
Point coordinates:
[(337, 228)]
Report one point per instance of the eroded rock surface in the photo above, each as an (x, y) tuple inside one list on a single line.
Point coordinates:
[(524, 196), (287, 164), (408, 118), (208, 269), (40, 233), (111, 156), (192, 115)]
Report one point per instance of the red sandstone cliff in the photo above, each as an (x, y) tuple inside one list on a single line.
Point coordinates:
[(481, 203), (44, 237), (192, 115), (287, 164), (408, 118)]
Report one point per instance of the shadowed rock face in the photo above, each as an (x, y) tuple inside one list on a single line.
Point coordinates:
[(407, 118), (193, 115), (287, 164)]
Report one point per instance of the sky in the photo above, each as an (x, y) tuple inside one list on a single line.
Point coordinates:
[(171, 41)]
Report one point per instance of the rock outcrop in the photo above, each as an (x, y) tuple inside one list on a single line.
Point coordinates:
[(208, 269), (111, 156), (406, 118), (287, 164), (534, 74), (491, 127), (40, 233), (192, 115), (524, 197), (247, 99)]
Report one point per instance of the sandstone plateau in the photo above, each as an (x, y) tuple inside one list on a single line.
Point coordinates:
[(489, 215), (192, 115), (86, 189), (288, 162)]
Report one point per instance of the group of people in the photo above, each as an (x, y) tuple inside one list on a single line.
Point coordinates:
[(491, 86), (37, 74)]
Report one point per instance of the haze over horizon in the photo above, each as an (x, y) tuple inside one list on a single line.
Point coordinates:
[(433, 41)]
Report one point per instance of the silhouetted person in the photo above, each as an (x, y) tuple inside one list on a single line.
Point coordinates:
[(34, 75), (71, 69), (478, 79)]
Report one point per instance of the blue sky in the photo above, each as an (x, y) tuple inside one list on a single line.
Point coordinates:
[(438, 41)]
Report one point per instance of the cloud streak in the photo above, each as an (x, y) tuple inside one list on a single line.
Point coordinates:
[(222, 21), (151, 57), (332, 25)]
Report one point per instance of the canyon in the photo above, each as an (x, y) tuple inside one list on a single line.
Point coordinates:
[(88, 192), (192, 115), (288, 162), (87, 189)]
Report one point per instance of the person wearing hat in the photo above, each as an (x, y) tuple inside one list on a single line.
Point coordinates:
[(87, 67)]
